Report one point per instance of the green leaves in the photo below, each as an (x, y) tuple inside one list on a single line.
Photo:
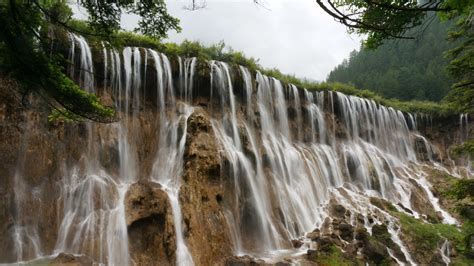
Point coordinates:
[(25, 44), (407, 70), (155, 21), (27, 57)]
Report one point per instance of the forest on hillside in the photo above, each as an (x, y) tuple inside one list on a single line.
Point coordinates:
[(403, 69)]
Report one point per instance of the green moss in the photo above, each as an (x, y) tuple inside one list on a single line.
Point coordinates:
[(467, 148), (383, 204), (427, 236), (334, 257)]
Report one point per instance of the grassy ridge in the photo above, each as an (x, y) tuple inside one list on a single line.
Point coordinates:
[(223, 53)]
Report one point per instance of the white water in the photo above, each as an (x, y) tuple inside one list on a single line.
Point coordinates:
[(447, 218), (287, 159), (464, 127), (445, 251), (167, 168)]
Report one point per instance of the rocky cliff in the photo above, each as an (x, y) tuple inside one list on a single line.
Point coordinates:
[(211, 164)]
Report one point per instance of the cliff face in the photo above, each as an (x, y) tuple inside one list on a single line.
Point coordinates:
[(212, 165)]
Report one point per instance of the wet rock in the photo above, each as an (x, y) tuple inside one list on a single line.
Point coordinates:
[(313, 235), (244, 261), (380, 231), (282, 263), (205, 190), (145, 199), (346, 231), (296, 243), (337, 210), (424, 150), (71, 260), (375, 251), (201, 145), (198, 122), (310, 252), (324, 244), (150, 224), (405, 208), (361, 233), (420, 202)]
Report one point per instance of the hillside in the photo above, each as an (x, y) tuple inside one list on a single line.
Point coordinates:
[(402, 69)]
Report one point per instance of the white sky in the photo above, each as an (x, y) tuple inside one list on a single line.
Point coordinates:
[(295, 36)]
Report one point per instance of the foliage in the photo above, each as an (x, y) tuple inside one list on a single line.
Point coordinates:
[(464, 148), (25, 55), (63, 115), (105, 16), (384, 20), (26, 39), (462, 64), (463, 188), (218, 51), (405, 70), (333, 257), (427, 236)]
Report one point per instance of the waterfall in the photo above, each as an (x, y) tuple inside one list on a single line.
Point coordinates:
[(92, 199), (464, 127), (168, 165), (27, 243), (300, 174), (445, 251), (287, 153)]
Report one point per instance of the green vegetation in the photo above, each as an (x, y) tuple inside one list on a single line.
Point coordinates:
[(423, 238), (407, 70), (466, 148), (223, 53), (25, 55), (385, 20), (333, 257), (22, 20), (427, 236), (27, 41)]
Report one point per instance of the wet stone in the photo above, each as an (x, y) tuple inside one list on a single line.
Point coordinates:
[(296, 243)]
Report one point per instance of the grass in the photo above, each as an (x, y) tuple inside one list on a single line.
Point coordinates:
[(466, 148), (334, 257), (427, 236)]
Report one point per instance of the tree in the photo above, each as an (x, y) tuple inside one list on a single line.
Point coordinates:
[(381, 20), (25, 39), (380, 70)]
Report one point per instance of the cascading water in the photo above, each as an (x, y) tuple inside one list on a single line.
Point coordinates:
[(25, 233), (464, 127), (168, 165), (92, 199), (299, 176), (289, 152)]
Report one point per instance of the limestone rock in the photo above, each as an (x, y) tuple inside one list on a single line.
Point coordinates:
[(150, 224), (244, 261), (145, 199), (71, 260)]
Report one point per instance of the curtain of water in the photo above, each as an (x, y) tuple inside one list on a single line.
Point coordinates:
[(289, 150)]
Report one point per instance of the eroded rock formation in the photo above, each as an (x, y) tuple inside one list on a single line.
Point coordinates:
[(211, 165)]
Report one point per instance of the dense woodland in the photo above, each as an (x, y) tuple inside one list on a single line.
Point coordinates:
[(403, 69)]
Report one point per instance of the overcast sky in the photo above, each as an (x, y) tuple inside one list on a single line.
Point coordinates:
[(295, 36)]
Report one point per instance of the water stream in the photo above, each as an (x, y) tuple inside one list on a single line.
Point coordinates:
[(290, 152)]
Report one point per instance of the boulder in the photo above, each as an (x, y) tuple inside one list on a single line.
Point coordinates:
[(143, 200), (150, 224)]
